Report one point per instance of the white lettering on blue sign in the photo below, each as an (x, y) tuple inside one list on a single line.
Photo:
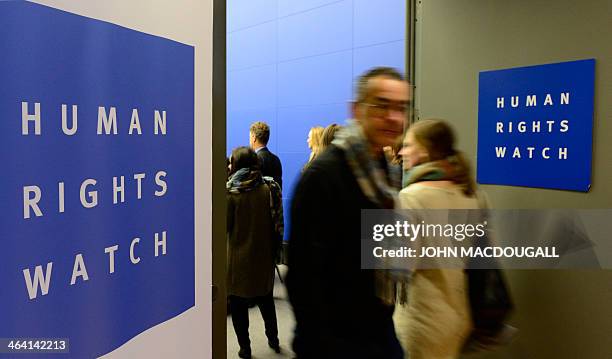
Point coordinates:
[(111, 257), (79, 269), (72, 130), (500, 152), (135, 123), (41, 281), (88, 195), (535, 126), (26, 117), (106, 125), (522, 127), (134, 259), (160, 123), (531, 100), (109, 121)]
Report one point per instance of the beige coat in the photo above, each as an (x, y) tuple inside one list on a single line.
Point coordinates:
[(250, 259), (436, 321)]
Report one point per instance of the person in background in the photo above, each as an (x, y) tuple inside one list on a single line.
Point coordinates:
[(259, 134), (254, 229), (393, 152), (328, 135), (337, 311), (434, 321), (314, 142)]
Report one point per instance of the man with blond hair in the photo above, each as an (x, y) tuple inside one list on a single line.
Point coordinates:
[(259, 134)]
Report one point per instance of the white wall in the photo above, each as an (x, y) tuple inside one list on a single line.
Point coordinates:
[(188, 21)]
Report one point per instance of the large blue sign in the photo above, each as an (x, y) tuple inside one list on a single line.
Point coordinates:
[(97, 188), (535, 126)]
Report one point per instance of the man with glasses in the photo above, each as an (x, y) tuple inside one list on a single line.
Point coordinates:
[(338, 313)]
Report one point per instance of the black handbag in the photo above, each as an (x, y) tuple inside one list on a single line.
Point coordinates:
[(490, 304), (490, 300)]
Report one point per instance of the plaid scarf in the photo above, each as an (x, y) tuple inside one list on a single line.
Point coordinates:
[(379, 187), (372, 178), (245, 180)]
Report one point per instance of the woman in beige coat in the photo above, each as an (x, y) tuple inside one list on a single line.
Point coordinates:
[(435, 321)]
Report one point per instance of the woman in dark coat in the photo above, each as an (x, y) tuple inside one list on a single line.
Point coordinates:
[(254, 228)]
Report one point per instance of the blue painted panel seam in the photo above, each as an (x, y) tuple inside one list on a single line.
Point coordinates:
[(276, 77), (285, 16), (317, 55), (353, 41), (379, 44), (250, 67), (313, 105)]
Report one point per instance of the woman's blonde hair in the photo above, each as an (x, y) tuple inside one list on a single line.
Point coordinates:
[(438, 138), (316, 134), (328, 135)]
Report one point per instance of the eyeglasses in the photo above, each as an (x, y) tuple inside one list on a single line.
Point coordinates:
[(384, 109)]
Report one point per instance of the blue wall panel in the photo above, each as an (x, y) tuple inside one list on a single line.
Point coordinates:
[(251, 88), (308, 33), (379, 21), (293, 64), (379, 55), (315, 80), (245, 13), (257, 41), (293, 163), (288, 7)]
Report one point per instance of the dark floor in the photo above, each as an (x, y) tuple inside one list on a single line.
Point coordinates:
[(259, 342)]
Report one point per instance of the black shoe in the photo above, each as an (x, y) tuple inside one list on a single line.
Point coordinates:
[(275, 346), (245, 353)]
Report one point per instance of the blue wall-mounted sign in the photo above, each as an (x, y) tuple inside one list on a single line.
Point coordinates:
[(535, 126), (97, 185)]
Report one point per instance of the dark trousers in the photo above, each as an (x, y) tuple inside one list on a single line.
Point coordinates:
[(239, 307), (323, 345)]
